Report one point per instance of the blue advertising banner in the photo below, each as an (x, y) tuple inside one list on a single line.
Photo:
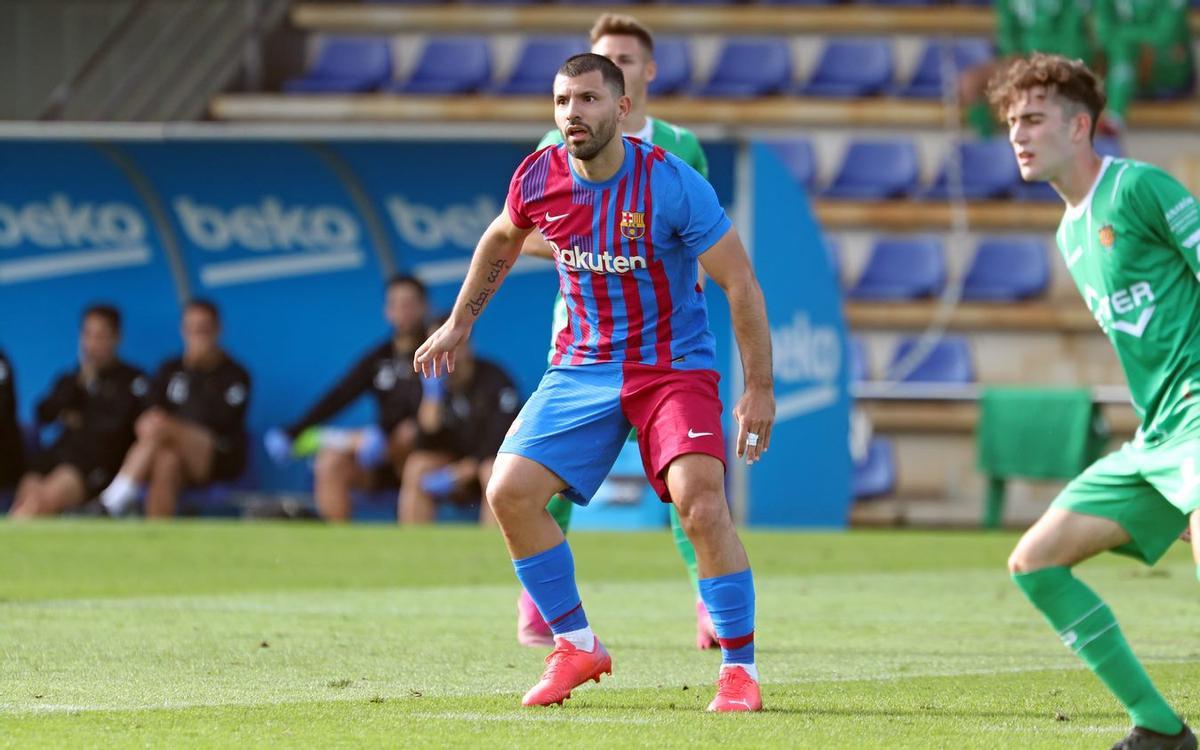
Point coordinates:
[(435, 200), (269, 233), (804, 480), (74, 231)]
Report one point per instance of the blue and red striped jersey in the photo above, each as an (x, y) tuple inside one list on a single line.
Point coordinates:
[(626, 251)]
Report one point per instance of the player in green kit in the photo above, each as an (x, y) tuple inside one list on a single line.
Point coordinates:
[(630, 45), (1148, 47), (1129, 239)]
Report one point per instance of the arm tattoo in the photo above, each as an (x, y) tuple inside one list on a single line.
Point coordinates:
[(498, 268), (476, 305)]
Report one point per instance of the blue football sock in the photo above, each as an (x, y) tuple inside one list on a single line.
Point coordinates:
[(549, 577), (730, 603)]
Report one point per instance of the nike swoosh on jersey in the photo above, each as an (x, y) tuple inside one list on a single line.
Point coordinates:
[(555, 218), (692, 434)]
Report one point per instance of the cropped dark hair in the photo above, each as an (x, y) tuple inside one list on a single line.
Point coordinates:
[(406, 279), (577, 65), (207, 306), (106, 312)]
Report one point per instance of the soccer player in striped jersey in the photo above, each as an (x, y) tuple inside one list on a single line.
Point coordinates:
[(630, 46), (1130, 239), (627, 222)]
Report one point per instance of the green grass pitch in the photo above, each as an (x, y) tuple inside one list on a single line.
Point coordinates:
[(275, 635)]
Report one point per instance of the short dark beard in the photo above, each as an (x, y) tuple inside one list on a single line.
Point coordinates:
[(601, 137)]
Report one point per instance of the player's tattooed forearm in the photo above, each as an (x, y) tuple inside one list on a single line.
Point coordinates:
[(498, 269), (476, 305)]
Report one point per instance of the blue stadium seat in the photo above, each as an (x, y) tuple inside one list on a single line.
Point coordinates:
[(926, 81), (876, 475), (537, 63), (800, 2), (875, 170), (860, 365), (1041, 191), (750, 66), (948, 361), (1007, 269), (450, 65), (348, 64), (673, 59), (799, 158), (988, 170), (902, 269), (852, 68)]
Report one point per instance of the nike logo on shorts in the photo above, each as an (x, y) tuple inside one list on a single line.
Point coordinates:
[(694, 434), (555, 218)]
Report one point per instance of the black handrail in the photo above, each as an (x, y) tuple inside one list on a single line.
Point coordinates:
[(58, 98)]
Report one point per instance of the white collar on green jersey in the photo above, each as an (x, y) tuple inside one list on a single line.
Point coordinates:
[(646, 133), (1074, 212)]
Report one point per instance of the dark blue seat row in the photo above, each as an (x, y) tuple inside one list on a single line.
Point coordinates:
[(889, 168), (1003, 269), (946, 360), (745, 67)]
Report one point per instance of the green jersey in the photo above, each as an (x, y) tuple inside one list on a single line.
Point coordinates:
[(1055, 26), (671, 138), (1133, 248)]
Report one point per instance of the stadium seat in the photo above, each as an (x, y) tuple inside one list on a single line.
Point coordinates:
[(902, 269), (876, 475), (450, 65), (798, 157), (987, 169), (876, 170), (860, 366), (750, 66), (1007, 269), (537, 63), (852, 68), (948, 361), (674, 61), (347, 64), (800, 2), (926, 81)]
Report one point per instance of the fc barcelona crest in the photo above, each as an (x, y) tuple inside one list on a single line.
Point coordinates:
[(633, 224), (1108, 236)]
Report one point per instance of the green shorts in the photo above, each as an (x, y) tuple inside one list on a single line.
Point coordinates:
[(1149, 490)]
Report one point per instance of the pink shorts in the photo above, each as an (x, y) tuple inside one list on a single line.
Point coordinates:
[(675, 412)]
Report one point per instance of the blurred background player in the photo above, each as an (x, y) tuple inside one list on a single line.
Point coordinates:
[(12, 448), (461, 422), (1129, 238), (194, 432), (94, 407), (645, 368), (1025, 26), (374, 456), (630, 45), (1147, 46)]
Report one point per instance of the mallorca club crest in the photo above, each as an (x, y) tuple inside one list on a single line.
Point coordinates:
[(1108, 236), (633, 224)]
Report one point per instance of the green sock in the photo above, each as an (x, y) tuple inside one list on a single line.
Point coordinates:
[(560, 509), (1087, 626), (686, 550), (307, 443)]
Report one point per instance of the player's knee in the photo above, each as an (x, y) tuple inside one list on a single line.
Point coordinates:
[(702, 511), (505, 497), (330, 463), (1025, 559), (167, 464)]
